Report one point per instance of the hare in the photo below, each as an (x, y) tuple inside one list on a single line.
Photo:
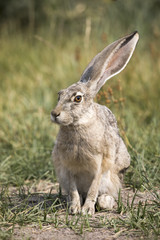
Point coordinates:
[(88, 153)]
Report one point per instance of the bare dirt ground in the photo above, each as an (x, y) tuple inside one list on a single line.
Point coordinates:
[(48, 231)]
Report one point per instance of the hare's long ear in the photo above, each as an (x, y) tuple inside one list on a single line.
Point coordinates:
[(109, 62)]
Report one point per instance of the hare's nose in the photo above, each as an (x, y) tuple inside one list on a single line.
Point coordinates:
[(55, 114)]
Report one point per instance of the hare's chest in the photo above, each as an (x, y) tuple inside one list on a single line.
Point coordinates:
[(78, 152)]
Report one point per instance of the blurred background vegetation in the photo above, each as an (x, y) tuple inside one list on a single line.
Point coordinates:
[(45, 46)]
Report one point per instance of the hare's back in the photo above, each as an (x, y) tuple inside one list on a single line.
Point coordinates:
[(107, 116)]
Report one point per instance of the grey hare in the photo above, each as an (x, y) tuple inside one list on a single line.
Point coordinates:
[(88, 153)]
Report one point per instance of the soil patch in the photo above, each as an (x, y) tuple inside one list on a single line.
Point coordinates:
[(47, 192)]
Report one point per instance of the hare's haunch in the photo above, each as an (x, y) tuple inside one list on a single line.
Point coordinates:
[(89, 154)]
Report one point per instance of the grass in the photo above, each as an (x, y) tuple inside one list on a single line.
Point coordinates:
[(31, 74), (141, 218)]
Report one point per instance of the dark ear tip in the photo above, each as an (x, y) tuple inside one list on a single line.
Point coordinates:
[(129, 37), (135, 32), (132, 35)]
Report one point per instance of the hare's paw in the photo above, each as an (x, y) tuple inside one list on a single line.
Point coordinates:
[(75, 208), (88, 208), (106, 202)]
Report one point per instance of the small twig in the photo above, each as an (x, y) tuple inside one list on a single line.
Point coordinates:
[(47, 43), (118, 233), (87, 32), (128, 143)]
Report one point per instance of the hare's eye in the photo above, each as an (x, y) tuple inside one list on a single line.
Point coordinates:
[(78, 98)]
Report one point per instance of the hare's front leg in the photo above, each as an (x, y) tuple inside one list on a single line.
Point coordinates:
[(75, 203), (89, 205)]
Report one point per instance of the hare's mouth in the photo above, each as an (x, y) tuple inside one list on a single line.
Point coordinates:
[(54, 119), (61, 121)]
